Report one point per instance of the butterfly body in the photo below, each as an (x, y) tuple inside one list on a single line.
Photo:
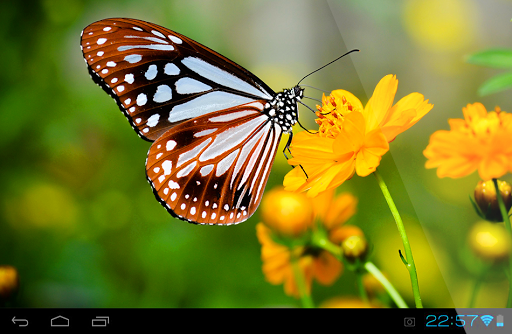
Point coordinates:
[(214, 126)]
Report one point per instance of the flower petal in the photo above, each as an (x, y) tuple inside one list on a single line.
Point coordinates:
[(378, 106), (453, 153), (340, 210), (404, 114), (327, 268)]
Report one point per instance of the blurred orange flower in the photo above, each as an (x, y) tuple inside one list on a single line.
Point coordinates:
[(481, 141), (314, 263), (351, 138)]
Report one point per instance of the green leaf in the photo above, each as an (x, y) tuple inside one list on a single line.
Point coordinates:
[(498, 58), (496, 84)]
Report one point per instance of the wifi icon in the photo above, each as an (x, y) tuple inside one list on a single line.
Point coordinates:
[(486, 319)]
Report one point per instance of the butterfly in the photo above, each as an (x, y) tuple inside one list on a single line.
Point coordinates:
[(214, 126)]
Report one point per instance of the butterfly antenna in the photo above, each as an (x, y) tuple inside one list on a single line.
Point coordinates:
[(312, 98), (343, 55), (323, 91)]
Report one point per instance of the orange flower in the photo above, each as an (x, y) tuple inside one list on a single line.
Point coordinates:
[(351, 139), (481, 141), (278, 250), (278, 269)]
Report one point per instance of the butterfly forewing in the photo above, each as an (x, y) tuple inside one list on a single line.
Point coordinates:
[(213, 169), (160, 78)]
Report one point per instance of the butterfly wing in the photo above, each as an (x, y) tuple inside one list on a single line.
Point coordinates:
[(160, 78), (213, 169)]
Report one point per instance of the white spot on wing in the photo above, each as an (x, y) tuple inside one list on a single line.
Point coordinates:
[(153, 120), (158, 33), (194, 152), (167, 166), (186, 170), (191, 86), (171, 69), (159, 47), (226, 163), (134, 58), (175, 39), (206, 170), (170, 145), (151, 72), (204, 133), (129, 78), (163, 93), (101, 41), (174, 185), (142, 99)]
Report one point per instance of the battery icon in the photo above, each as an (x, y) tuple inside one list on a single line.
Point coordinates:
[(499, 320)]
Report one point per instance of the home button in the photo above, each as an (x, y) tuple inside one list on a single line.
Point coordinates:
[(60, 321)]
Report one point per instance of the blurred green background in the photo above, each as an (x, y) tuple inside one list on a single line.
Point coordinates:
[(80, 223)]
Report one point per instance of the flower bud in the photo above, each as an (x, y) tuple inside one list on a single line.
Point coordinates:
[(354, 247), (287, 213), (485, 197), (9, 282), (489, 241)]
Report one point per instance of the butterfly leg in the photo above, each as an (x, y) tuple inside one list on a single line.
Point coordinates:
[(287, 148)]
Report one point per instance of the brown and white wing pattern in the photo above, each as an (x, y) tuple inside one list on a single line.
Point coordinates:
[(213, 169)]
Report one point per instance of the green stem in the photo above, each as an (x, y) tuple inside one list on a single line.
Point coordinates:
[(305, 298), (372, 269), (411, 267), (360, 286), (324, 243), (506, 221), (478, 283)]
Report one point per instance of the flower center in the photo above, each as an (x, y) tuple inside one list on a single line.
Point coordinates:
[(331, 115)]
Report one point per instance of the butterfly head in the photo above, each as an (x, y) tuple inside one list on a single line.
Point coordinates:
[(283, 109)]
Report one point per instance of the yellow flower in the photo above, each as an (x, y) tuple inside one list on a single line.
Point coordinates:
[(351, 138), (287, 213), (314, 263), (480, 141), (489, 241)]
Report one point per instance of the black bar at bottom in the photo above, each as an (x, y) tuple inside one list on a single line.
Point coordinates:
[(343, 320)]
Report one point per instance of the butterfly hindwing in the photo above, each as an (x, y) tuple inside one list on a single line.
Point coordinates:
[(160, 78), (213, 169)]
